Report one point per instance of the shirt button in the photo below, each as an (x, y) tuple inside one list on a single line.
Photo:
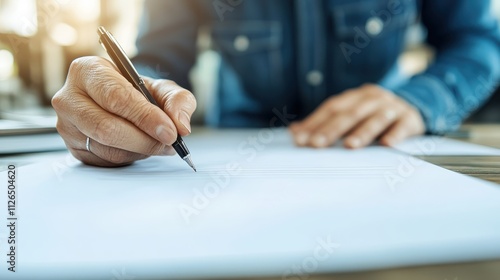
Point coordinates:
[(374, 26), (241, 43), (314, 78)]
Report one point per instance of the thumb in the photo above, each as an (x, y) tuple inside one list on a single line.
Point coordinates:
[(178, 103)]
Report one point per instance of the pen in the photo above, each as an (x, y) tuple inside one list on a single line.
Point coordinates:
[(125, 66)]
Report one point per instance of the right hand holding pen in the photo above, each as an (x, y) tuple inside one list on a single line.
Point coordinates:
[(99, 103)]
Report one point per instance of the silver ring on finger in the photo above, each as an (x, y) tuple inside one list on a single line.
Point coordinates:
[(87, 145)]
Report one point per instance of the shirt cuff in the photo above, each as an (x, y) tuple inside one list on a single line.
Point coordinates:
[(434, 102)]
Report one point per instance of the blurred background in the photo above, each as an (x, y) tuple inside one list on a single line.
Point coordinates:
[(40, 38)]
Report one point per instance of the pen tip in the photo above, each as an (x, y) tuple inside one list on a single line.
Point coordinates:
[(190, 163)]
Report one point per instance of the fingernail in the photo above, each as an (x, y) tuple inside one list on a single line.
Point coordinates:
[(354, 142), (164, 134), (302, 138), (320, 141), (185, 120), (168, 151)]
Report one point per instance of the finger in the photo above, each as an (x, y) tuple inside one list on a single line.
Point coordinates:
[(76, 140), (178, 103), (302, 130), (103, 127), (76, 143), (119, 156), (112, 92), (371, 128), (333, 129), (407, 126)]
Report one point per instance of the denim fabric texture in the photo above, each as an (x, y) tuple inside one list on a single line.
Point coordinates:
[(288, 56)]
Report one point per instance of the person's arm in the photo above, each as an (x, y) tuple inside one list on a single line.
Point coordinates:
[(464, 74), (467, 67), (166, 42)]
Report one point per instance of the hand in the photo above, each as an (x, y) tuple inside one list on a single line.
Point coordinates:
[(360, 116), (98, 102)]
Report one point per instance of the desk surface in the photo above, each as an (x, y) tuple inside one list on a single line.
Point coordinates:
[(483, 167)]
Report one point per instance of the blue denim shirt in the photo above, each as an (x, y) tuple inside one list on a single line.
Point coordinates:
[(282, 58)]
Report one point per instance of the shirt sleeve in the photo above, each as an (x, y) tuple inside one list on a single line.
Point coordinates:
[(466, 70), (166, 42)]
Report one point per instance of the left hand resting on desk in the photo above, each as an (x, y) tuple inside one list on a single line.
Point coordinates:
[(361, 116)]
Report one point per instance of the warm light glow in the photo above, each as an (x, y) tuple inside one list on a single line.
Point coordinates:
[(6, 64), (64, 34), (19, 17), (85, 11)]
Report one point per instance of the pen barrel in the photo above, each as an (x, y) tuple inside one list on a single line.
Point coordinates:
[(180, 147)]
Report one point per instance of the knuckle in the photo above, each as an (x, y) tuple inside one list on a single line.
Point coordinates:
[(84, 69), (387, 96), (375, 94), (114, 97), (66, 99), (357, 112), (83, 64), (332, 106), (57, 100), (371, 87), (105, 131), (77, 66)]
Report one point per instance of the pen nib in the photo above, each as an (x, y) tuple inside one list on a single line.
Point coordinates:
[(190, 162)]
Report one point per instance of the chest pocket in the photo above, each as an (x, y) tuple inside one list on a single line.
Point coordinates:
[(370, 34), (252, 49)]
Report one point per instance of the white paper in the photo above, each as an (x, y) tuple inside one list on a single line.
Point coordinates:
[(441, 146), (287, 210)]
